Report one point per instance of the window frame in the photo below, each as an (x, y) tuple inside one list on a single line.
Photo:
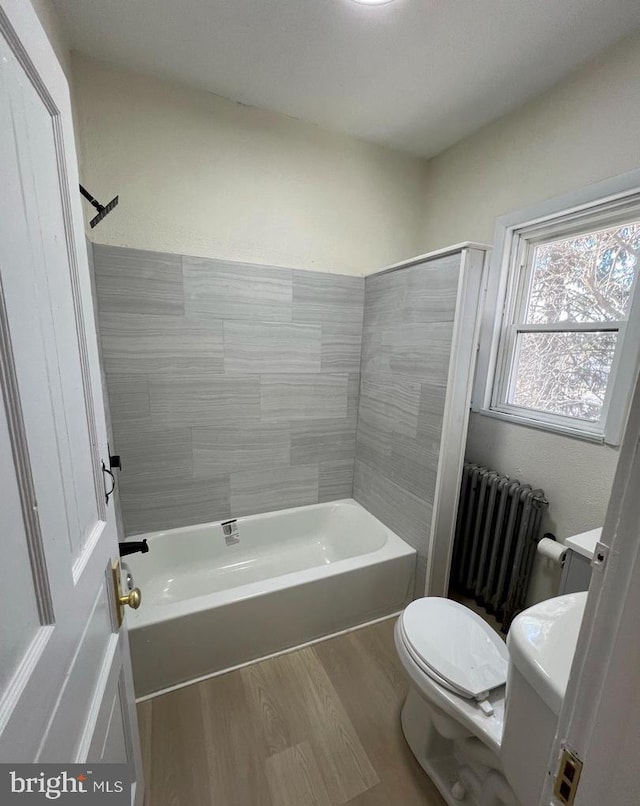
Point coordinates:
[(596, 207)]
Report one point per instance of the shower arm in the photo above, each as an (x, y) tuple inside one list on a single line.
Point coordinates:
[(102, 209)]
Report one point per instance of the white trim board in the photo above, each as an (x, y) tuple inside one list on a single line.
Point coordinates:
[(437, 253), (455, 421), (608, 191)]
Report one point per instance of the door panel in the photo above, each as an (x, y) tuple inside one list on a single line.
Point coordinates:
[(110, 741), (17, 594), (81, 681), (61, 648), (37, 146)]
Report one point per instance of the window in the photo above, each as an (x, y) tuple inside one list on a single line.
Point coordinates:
[(564, 351)]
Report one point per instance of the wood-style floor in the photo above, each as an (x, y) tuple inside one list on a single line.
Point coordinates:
[(319, 726)]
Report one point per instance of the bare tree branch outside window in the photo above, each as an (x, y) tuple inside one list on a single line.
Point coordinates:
[(584, 279)]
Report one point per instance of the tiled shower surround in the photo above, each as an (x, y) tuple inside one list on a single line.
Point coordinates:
[(233, 389), (406, 345), (236, 389)]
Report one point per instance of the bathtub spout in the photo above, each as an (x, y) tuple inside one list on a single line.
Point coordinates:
[(132, 547)]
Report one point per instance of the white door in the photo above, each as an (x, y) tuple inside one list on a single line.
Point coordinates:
[(599, 722), (66, 690)]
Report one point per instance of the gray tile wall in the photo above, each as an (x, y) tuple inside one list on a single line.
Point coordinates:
[(233, 389), (406, 343)]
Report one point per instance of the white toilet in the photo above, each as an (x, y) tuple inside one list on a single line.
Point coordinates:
[(480, 715)]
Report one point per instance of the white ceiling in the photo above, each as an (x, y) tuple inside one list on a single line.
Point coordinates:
[(417, 75)]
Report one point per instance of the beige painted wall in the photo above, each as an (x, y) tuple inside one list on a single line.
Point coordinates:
[(201, 175), (584, 130), (53, 28)]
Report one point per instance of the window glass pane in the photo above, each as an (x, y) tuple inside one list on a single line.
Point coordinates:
[(563, 373), (586, 278)]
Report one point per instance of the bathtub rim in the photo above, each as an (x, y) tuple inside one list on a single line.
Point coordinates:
[(271, 513)]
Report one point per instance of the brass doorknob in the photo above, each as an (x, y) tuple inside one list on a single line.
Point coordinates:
[(133, 599)]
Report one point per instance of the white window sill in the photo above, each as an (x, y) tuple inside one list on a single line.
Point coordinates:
[(517, 419)]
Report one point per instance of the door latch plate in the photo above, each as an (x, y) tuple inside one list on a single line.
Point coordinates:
[(566, 784)]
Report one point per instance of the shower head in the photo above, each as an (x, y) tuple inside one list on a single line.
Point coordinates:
[(102, 209), (102, 212)]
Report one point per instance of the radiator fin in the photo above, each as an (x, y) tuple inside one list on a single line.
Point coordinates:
[(497, 531)]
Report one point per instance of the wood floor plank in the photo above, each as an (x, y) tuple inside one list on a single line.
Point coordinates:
[(359, 683), (295, 779), (379, 641), (367, 674), (144, 728), (390, 792), (180, 774), (269, 701), (344, 764), (234, 750)]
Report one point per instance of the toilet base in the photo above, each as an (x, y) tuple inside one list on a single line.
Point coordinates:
[(457, 765)]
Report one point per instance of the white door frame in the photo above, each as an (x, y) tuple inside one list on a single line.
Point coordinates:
[(600, 718)]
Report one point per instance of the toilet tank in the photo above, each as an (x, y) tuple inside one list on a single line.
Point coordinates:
[(541, 642)]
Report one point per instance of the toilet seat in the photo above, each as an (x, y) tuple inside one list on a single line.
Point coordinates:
[(424, 667), (454, 647), (467, 712)]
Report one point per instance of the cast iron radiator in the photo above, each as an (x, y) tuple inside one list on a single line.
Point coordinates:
[(497, 531)]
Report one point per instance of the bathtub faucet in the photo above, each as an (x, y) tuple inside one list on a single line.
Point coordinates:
[(133, 546)]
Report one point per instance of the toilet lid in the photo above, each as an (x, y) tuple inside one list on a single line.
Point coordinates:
[(455, 646)]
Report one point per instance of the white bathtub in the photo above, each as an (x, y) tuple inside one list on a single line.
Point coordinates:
[(294, 576)]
